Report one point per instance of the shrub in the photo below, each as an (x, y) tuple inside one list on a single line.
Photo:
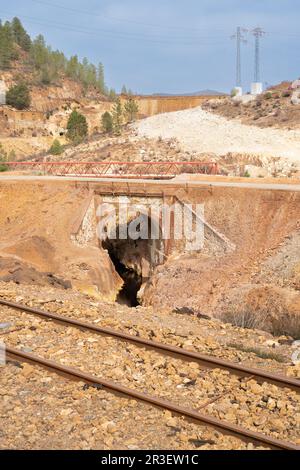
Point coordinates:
[(77, 127), (56, 148), (131, 109), (117, 113), (11, 156), (3, 167), (107, 122), (18, 96), (268, 95), (247, 174), (244, 318), (280, 324), (3, 159)]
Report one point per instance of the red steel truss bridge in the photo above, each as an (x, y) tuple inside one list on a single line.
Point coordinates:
[(154, 170)]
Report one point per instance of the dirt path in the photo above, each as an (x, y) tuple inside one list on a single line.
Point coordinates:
[(201, 131)]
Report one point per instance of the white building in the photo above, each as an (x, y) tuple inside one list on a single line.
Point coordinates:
[(296, 84), (296, 92), (256, 88)]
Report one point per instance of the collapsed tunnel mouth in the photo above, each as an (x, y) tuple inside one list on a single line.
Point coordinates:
[(128, 294)]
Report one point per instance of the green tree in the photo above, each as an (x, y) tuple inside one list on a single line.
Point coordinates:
[(3, 159), (131, 109), (56, 148), (18, 96), (77, 127), (124, 90), (20, 35), (91, 75), (107, 122), (72, 69), (45, 77), (7, 48), (117, 112), (48, 64), (101, 79), (39, 52), (112, 94)]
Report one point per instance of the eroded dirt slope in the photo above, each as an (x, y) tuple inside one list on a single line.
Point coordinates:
[(256, 260), (38, 243), (264, 226), (273, 108)]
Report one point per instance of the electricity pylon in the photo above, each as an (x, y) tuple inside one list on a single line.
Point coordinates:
[(239, 40), (257, 33)]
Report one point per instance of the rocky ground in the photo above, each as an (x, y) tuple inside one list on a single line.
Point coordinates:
[(202, 131), (133, 147), (275, 108), (96, 419)]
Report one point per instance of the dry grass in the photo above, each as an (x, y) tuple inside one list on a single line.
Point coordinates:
[(258, 352), (281, 324), (245, 319)]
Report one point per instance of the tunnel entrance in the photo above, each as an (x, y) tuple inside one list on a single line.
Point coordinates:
[(134, 252), (132, 279)]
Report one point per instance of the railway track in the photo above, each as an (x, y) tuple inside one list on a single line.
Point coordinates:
[(206, 361)]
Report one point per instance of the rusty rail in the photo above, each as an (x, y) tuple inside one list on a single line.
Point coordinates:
[(130, 393), (207, 361), (151, 170)]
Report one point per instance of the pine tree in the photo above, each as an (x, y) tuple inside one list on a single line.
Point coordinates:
[(73, 67), (48, 63), (39, 52), (91, 76), (20, 35), (124, 90), (18, 96), (107, 122), (112, 94), (56, 148), (101, 79), (3, 159), (7, 48), (77, 127), (131, 109), (45, 77), (117, 112)]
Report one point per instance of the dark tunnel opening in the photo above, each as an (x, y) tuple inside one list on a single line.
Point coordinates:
[(128, 294)]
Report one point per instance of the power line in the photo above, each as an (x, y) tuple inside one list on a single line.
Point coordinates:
[(86, 12), (239, 40), (134, 36)]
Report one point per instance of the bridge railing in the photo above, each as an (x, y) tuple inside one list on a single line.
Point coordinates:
[(115, 169)]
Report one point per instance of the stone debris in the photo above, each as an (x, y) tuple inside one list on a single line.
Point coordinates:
[(202, 131), (4, 326), (42, 410)]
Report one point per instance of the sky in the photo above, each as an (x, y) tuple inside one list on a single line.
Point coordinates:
[(168, 46)]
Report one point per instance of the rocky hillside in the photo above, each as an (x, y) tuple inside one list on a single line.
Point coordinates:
[(57, 85), (274, 108)]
